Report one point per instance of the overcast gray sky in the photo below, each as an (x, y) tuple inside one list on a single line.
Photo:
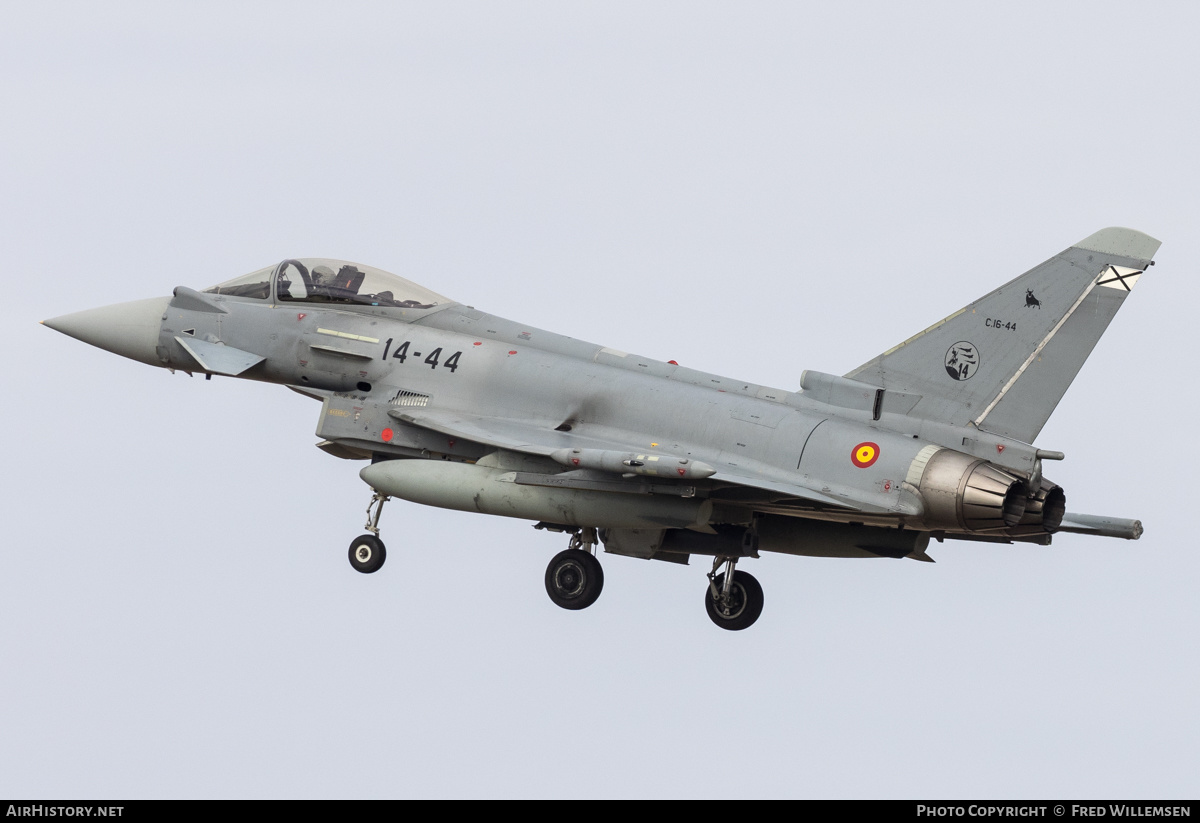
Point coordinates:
[(784, 186)]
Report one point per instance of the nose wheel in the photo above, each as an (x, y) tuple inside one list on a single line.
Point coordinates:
[(367, 554), (367, 551)]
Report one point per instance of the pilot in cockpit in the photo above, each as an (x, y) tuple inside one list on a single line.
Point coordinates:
[(322, 277)]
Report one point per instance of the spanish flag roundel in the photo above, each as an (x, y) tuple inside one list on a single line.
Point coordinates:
[(864, 454)]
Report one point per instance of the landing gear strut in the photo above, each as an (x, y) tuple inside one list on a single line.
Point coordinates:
[(734, 599), (574, 577), (367, 552)]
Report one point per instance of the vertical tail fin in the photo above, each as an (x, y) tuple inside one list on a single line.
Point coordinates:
[(1003, 362)]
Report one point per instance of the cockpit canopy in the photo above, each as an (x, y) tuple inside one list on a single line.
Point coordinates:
[(322, 280)]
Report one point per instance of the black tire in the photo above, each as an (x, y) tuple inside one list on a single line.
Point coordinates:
[(745, 602), (367, 554), (574, 579)]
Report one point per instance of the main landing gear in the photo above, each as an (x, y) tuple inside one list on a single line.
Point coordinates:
[(574, 578), (734, 599), (367, 552)]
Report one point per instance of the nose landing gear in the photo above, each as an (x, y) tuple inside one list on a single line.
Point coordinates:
[(367, 552)]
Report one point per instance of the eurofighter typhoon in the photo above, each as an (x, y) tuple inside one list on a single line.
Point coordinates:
[(457, 408)]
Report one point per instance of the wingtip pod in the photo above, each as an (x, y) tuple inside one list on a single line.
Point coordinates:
[(1121, 242)]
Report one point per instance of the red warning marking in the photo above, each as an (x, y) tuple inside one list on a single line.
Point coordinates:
[(301, 316), (999, 447), (512, 352), (673, 363), (682, 472), (575, 460), (887, 485), (477, 343), (864, 454), (451, 442), (386, 435)]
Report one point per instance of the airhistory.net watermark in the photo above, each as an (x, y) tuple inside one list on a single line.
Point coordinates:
[(42, 810)]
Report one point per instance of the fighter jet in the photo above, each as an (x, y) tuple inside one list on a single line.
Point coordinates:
[(457, 408)]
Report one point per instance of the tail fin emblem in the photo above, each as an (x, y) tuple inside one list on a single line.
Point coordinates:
[(962, 360)]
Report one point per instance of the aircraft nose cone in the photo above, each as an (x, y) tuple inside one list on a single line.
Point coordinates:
[(128, 329)]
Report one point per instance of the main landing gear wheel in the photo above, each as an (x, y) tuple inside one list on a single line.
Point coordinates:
[(367, 554), (574, 579), (740, 608)]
